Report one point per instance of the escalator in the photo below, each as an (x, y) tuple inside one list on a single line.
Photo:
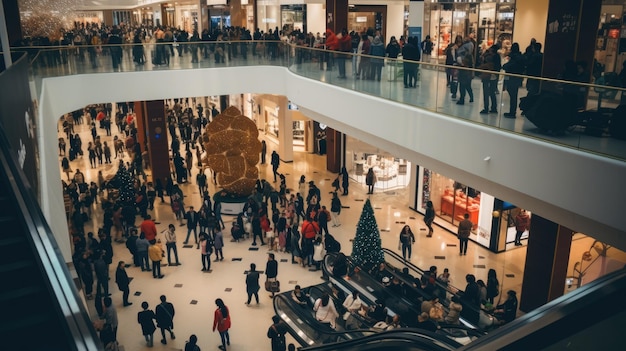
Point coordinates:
[(40, 309), (588, 318), (397, 340), (471, 316), (302, 325), (371, 291)]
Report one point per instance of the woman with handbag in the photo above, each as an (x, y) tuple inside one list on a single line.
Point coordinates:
[(221, 321), (325, 311), (352, 304)]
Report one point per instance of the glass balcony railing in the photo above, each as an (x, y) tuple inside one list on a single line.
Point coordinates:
[(583, 116)]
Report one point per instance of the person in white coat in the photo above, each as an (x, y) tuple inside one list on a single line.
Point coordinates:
[(353, 305), (325, 311), (318, 252)]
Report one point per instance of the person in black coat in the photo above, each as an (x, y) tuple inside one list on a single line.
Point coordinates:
[(252, 284), (131, 244), (192, 218), (121, 278), (276, 333), (85, 272), (410, 54), (506, 312), (102, 275), (271, 268), (263, 151), (146, 319), (471, 299), (165, 318), (275, 161), (344, 180), (516, 65)]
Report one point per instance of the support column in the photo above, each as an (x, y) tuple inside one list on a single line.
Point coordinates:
[(285, 131), (152, 117), (569, 34), (334, 150), (547, 257), (336, 15), (416, 19)]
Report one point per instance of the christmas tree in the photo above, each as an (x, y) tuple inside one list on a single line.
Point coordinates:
[(366, 248), (125, 184)]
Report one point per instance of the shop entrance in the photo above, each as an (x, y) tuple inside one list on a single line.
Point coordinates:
[(490, 22), (362, 18)]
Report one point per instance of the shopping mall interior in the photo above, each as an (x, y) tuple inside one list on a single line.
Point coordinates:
[(421, 145)]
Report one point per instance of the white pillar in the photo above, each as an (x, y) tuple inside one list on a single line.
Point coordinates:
[(285, 128), (416, 19)]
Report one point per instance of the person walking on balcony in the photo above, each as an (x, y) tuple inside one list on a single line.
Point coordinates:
[(516, 65), (491, 62), (427, 49), (410, 56)]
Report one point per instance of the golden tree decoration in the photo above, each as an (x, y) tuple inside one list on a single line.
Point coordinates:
[(233, 150)]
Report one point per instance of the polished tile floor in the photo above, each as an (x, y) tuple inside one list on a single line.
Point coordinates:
[(193, 292)]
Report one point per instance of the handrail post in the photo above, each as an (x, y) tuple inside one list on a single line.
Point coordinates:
[(4, 38)]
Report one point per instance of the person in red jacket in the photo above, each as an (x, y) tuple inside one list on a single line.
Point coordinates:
[(310, 229), (522, 222), (148, 228), (221, 321)]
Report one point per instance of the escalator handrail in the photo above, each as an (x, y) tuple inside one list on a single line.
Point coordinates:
[(421, 272), (593, 296), (363, 293), (310, 321), (46, 252), (415, 336), (438, 284), (340, 303), (408, 302)]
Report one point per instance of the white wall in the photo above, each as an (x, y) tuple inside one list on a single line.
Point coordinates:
[(395, 21), (531, 18), (315, 18), (576, 189)]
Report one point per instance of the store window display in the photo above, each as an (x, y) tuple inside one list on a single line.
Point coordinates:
[(391, 172)]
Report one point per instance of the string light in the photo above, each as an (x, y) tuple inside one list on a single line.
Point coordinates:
[(44, 18)]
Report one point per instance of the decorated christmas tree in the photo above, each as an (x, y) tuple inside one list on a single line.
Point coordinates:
[(125, 184), (366, 248)]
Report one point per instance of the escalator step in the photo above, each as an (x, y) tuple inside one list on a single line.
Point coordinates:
[(19, 293), (25, 322), (5, 219), (11, 241), (14, 266)]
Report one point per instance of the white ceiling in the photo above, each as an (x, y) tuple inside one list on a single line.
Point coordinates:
[(124, 4)]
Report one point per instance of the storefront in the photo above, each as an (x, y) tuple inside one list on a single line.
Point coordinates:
[(93, 17), (610, 50), (494, 220), (491, 21), (293, 18), (391, 172), (361, 18), (268, 15)]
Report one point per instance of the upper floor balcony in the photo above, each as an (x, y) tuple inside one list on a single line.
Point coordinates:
[(557, 117), (558, 170)]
